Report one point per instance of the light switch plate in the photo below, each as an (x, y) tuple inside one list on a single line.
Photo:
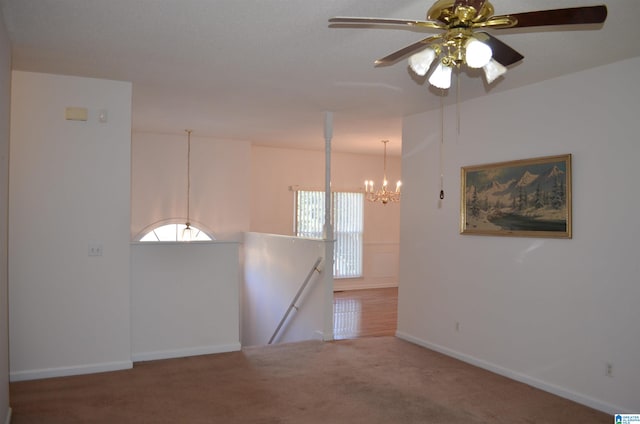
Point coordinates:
[(76, 113)]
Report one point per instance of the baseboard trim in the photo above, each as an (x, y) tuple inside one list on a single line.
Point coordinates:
[(513, 375), (182, 353), (325, 337), (347, 286), (69, 371), (318, 335), (8, 419)]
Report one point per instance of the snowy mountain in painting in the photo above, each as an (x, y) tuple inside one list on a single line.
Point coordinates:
[(526, 179)]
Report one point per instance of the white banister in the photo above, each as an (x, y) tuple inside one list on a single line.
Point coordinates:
[(295, 299)]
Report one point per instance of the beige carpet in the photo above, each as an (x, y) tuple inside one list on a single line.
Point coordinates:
[(369, 380)]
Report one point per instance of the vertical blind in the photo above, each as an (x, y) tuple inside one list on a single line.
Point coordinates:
[(347, 227)]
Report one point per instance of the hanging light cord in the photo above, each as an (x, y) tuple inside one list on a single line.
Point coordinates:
[(458, 101), (384, 164), (441, 145), (188, 175)]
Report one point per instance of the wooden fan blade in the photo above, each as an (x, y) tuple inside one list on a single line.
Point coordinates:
[(502, 53), (386, 21), (569, 16), (397, 55)]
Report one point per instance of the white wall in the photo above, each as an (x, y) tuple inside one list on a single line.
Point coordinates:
[(5, 104), (69, 187), (549, 312), (184, 299), (275, 268), (220, 178), (274, 170)]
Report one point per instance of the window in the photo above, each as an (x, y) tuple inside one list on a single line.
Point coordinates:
[(173, 232), (347, 227)]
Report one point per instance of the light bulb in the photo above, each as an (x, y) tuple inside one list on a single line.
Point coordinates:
[(493, 70), (441, 76), (478, 54), (421, 61), (187, 232)]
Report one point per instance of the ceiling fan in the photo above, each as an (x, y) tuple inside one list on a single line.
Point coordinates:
[(462, 40)]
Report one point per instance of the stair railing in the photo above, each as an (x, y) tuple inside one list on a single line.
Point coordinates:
[(314, 268)]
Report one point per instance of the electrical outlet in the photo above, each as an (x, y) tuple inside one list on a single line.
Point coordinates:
[(95, 249), (609, 370)]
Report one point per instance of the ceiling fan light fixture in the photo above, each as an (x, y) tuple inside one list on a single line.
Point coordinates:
[(441, 76), (421, 61), (462, 43), (477, 53), (493, 70)]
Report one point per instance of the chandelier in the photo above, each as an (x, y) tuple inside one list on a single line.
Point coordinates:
[(382, 195), (459, 47)]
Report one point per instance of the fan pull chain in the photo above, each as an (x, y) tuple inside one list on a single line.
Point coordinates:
[(458, 101), (441, 145)]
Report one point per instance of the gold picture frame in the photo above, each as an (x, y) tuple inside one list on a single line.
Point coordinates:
[(520, 198)]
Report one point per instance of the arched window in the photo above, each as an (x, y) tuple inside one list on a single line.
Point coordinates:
[(173, 232)]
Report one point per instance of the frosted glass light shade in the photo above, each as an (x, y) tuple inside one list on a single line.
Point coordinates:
[(441, 76), (478, 54), (421, 61), (493, 70), (187, 233)]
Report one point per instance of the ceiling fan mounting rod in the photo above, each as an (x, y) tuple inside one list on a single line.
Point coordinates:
[(465, 14), (446, 11), (468, 15)]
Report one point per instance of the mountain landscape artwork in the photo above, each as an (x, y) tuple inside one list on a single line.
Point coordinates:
[(529, 198)]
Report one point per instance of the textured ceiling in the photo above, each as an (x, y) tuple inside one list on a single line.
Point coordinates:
[(266, 70)]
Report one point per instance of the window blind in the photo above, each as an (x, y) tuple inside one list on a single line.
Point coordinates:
[(348, 226)]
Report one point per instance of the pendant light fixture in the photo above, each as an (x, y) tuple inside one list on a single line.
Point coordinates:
[(382, 195), (187, 232)]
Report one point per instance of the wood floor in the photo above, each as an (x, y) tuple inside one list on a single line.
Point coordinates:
[(365, 313)]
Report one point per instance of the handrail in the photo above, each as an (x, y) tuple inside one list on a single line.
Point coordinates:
[(295, 299)]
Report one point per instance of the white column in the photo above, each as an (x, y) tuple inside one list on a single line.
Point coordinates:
[(328, 135), (328, 232)]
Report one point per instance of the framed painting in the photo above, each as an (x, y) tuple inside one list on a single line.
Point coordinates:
[(522, 198)]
